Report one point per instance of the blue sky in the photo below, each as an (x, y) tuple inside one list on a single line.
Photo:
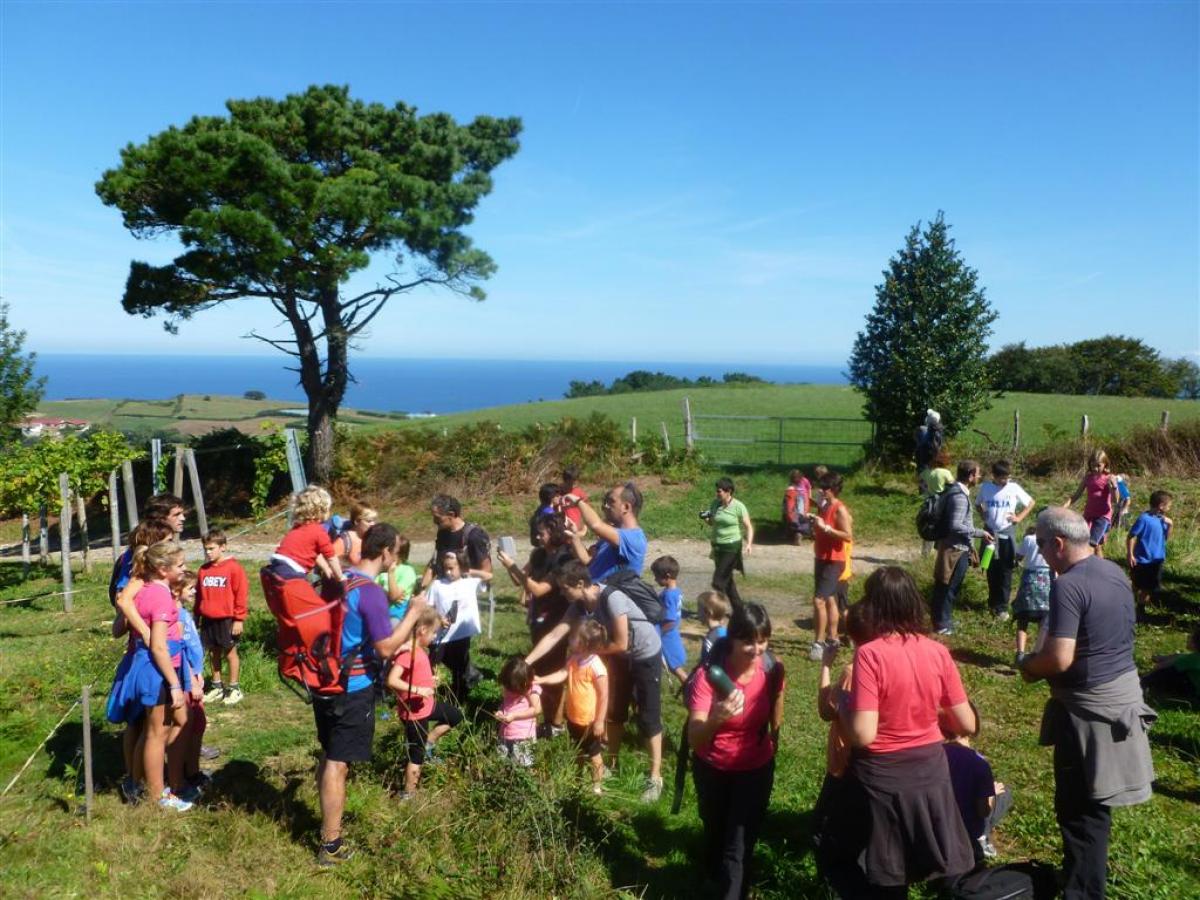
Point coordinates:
[(716, 182)]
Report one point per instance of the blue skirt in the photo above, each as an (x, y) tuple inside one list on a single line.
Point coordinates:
[(137, 684)]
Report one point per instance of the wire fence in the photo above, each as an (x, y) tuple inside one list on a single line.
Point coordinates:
[(782, 441)]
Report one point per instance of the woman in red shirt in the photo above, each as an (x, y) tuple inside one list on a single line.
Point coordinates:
[(734, 741), (904, 815)]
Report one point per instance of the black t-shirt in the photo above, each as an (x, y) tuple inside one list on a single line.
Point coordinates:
[(1093, 603), (547, 611), (478, 544)]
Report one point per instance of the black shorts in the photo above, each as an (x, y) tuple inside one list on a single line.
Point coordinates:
[(217, 634), (639, 680), (416, 731), (582, 737), (346, 725), (1023, 619), (1147, 576), (843, 596), (826, 573)]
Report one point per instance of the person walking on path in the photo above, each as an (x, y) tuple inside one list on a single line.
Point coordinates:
[(1095, 718), (1003, 504), (833, 531), (732, 538), (954, 550)]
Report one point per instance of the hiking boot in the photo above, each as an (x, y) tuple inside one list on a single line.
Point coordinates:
[(215, 693), (132, 792), (1018, 658), (233, 696), (817, 651), (653, 790), (172, 802), (327, 858)]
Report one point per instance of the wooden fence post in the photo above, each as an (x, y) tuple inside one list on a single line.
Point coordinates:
[(666, 437), (689, 436), (155, 465), (1016, 430), (1084, 426), (84, 540), (114, 515), (1165, 421), (177, 481), (131, 509), (64, 538), (88, 790), (43, 535), (633, 429), (26, 557), (197, 496)]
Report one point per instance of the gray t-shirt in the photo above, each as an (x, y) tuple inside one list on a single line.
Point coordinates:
[(1093, 603), (644, 642)]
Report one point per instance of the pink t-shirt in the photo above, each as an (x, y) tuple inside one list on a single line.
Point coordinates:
[(1098, 488), (419, 675), (907, 680), (742, 743), (522, 729), (155, 604)]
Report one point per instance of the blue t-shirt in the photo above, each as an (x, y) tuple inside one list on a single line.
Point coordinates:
[(672, 601), (192, 648), (1151, 533), (366, 607), (629, 553), (973, 781)]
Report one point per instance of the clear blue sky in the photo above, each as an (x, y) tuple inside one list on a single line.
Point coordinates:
[(696, 181)]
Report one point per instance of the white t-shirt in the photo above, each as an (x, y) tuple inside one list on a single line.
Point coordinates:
[(442, 595), (998, 502), (1030, 555)]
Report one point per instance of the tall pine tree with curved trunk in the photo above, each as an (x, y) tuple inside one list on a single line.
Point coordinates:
[(281, 201), (925, 342)]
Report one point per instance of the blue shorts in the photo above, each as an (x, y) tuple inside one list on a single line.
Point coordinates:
[(1099, 531), (672, 649)]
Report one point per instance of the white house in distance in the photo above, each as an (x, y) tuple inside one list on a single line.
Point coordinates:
[(42, 426)]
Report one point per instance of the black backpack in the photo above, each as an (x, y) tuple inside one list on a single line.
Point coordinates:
[(931, 517), (1014, 881), (630, 583)]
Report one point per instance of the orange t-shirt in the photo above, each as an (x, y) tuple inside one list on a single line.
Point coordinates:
[(826, 546), (582, 674)]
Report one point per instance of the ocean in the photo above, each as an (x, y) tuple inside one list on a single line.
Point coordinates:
[(387, 385)]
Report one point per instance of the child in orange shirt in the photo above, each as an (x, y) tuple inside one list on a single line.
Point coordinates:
[(586, 696)]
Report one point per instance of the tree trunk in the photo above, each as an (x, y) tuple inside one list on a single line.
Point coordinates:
[(325, 389), (320, 442)]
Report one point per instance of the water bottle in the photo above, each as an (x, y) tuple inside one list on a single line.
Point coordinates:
[(985, 558), (721, 682)]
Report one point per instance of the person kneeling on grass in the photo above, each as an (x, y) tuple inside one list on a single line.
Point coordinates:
[(411, 678), (586, 695)]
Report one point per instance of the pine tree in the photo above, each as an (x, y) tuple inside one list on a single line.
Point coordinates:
[(20, 392), (925, 342)]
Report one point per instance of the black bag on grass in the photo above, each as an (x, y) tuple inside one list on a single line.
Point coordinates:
[(1013, 881)]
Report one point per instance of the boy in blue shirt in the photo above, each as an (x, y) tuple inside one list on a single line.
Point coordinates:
[(1146, 548), (666, 574)]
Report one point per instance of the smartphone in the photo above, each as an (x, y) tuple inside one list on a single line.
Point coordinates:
[(508, 546)]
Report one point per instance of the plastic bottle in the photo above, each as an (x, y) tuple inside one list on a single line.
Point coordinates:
[(985, 558), (721, 682)]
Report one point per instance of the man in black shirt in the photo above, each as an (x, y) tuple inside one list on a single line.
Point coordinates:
[(456, 534)]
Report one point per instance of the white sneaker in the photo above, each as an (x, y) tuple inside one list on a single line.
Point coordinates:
[(169, 801), (233, 696), (653, 790), (215, 693), (817, 651)]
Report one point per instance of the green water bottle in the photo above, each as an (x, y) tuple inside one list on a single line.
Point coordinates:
[(721, 681), (985, 559)]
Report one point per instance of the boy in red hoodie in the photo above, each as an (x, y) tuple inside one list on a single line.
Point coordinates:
[(221, 591)]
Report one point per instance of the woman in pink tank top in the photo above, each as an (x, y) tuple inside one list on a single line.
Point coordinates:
[(1100, 488)]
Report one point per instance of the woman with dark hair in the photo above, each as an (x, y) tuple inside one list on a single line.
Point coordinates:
[(733, 730), (900, 823), (732, 537), (545, 606), (549, 503), (833, 532)]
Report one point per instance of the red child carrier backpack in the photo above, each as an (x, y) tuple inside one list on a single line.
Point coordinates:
[(309, 634)]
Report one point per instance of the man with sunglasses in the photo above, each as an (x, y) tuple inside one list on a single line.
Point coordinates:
[(1095, 718)]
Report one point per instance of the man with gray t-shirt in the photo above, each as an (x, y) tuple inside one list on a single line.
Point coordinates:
[(633, 656), (1095, 717)]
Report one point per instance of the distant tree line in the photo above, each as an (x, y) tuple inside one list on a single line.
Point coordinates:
[(1112, 365), (641, 380)]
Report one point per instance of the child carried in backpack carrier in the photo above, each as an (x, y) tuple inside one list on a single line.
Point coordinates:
[(307, 544)]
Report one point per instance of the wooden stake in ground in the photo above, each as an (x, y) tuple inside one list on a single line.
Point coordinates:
[(64, 539), (666, 437), (131, 507), (197, 496), (88, 792), (688, 435), (81, 514), (43, 535), (26, 556), (177, 481), (1016, 430), (114, 515)]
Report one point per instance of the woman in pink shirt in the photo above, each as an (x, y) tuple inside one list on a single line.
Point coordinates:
[(734, 737), (899, 818), (1100, 487)]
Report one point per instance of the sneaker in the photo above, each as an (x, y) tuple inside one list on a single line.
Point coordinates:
[(1003, 616), (172, 802), (834, 643), (653, 790), (1018, 658), (817, 651), (405, 796), (556, 730), (988, 848), (207, 752), (132, 792), (340, 854), (215, 693), (190, 793), (945, 632), (598, 790), (233, 696)]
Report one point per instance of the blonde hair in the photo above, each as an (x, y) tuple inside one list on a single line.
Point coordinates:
[(360, 511), (148, 560), (1098, 461), (427, 618), (313, 504), (714, 605)]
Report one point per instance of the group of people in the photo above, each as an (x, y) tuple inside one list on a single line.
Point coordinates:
[(905, 798)]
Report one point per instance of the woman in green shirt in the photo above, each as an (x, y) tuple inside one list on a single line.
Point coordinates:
[(732, 537)]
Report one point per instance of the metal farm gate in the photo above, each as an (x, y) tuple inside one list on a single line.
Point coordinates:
[(780, 440)]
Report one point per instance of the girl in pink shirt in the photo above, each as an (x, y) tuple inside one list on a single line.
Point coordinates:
[(519, 711), (1100, 487)]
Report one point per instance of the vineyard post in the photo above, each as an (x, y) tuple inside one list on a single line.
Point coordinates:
[(88, 790), (688, 435), (131, 509), (666, 437), (1165, 421), (43, 535), (197, 497), (633, 429), (155, 463), (64, 537), (177, 481), (1084, 426), (1016, 430), (114, 515), (81, 514)]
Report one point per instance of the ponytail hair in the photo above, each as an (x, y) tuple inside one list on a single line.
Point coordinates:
[(148, 560)]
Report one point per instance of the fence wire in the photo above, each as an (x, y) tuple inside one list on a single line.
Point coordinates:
[(781, 440)]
